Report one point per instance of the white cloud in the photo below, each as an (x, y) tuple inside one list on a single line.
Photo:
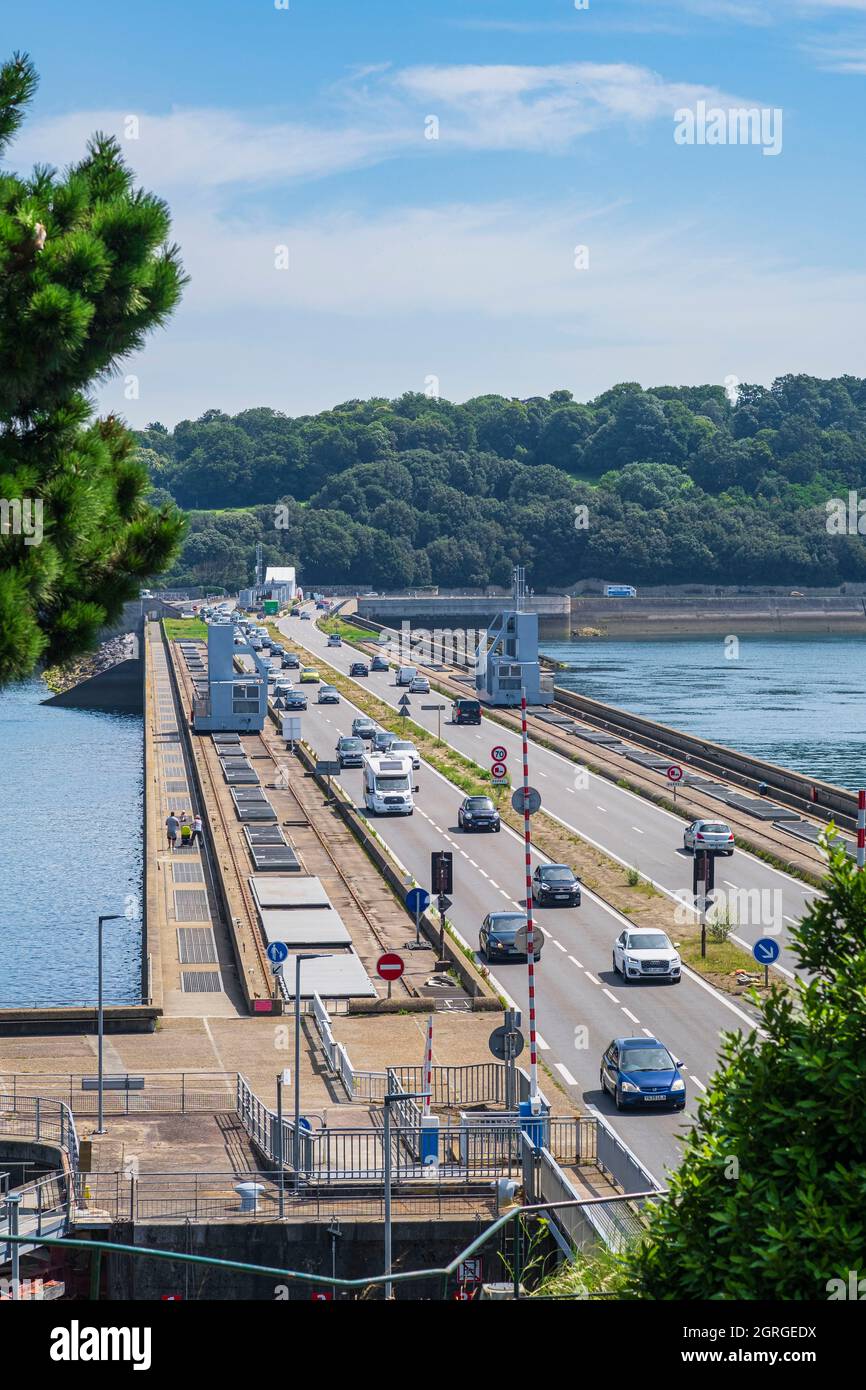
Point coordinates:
[(377, 115), (486, 298)]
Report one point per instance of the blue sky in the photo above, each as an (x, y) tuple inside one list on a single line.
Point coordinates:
[(414, 261)]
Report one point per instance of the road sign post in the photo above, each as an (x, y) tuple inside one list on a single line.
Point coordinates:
[(438, 709), (703, 882), (766, 951), (675, 776), (417, 901), (390, 967)]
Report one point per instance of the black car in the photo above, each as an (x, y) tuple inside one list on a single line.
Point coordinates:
[(359, 668), (379, 664), (503, 937), (555, 883), (365, 728), (295, 699), (466, 712), (478, 813), (291, 662)]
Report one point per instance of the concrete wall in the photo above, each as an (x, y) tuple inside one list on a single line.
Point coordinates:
[(303, 1246), (119, 689), (554, 612)]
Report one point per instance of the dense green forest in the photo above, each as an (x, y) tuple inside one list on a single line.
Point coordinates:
[(679, 485)]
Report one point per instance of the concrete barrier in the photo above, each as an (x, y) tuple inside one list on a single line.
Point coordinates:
[(792, 788)]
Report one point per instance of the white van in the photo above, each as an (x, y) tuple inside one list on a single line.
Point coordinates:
[(388, 785), (406, 674)]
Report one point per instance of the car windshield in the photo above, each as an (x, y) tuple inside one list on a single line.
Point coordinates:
[(649, 941), (479, 803), (557, 873), (646, 1059), (351, 745), (392, 782), (398, 747), (713, 827), (507, 926)]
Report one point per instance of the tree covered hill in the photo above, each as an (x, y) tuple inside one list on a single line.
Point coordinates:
[(679, 485)]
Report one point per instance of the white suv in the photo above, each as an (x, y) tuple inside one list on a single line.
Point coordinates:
[(645, 954)]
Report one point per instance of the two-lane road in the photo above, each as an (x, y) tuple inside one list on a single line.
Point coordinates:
[(582, 1004)]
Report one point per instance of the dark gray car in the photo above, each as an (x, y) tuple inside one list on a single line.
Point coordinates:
[(503, 937)]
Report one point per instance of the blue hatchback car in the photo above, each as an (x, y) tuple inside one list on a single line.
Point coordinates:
[(640, 1072)]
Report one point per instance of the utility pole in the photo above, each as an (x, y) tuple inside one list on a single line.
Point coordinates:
[(100, 1018), (530, 932)]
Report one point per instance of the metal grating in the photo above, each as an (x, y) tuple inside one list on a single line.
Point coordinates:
[(196, 946), (187, 873), (201, 981), (190, 905), (176, 786)]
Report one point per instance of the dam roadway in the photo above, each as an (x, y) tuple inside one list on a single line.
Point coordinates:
[(582, 1005), (628, 827)]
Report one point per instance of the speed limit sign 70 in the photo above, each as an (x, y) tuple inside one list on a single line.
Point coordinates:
[(498, 754)]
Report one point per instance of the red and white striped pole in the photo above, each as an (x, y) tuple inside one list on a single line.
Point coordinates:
[(428, 1066), (861, 829), (530, 934)]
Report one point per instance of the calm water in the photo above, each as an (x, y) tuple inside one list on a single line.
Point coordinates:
[(70, 849), (798, 701)]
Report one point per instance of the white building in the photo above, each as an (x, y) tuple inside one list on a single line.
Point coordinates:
[(280, 582)]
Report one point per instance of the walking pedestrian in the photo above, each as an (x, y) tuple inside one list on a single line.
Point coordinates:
[(197, 830), (172, 825)]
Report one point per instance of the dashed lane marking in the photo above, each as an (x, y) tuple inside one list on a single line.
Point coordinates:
[(565, 1073)]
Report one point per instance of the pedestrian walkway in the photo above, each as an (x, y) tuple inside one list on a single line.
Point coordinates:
[(198, 973)]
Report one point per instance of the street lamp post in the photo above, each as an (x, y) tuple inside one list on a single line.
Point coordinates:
[(296, 1138), (390, 1098), (100, 1026)]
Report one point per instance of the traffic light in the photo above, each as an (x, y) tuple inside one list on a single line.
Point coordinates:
[(442, 871)]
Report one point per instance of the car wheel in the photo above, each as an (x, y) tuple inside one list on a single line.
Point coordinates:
[(537, 957), (615, 966), (497, 828), (676, 979), (603, 1083), (617, 1102)]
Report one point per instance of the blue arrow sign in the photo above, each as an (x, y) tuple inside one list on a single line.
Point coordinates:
[(277, 952), (766, 950), (417, 900)]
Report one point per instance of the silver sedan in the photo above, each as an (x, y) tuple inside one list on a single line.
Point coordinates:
[(713, 835)]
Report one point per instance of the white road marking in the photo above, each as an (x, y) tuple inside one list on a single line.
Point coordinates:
[(609, 995), (628, 1013), (505, 895), (560, 945), (565, 1074), (472, 862), (545, 1047), (576, 962), (699, 1083), (603, 809), (637, 829), (591, 977), (792, 920), (493, 883), (648, 1033)]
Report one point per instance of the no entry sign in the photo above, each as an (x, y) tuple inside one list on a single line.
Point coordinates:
[(390, 966)]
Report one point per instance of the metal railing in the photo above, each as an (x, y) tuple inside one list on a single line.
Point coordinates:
[(41, 1118), (213, 1197), (474, 1084), (170, 1092)]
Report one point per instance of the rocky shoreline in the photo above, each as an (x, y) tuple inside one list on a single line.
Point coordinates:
[(62, 678)]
